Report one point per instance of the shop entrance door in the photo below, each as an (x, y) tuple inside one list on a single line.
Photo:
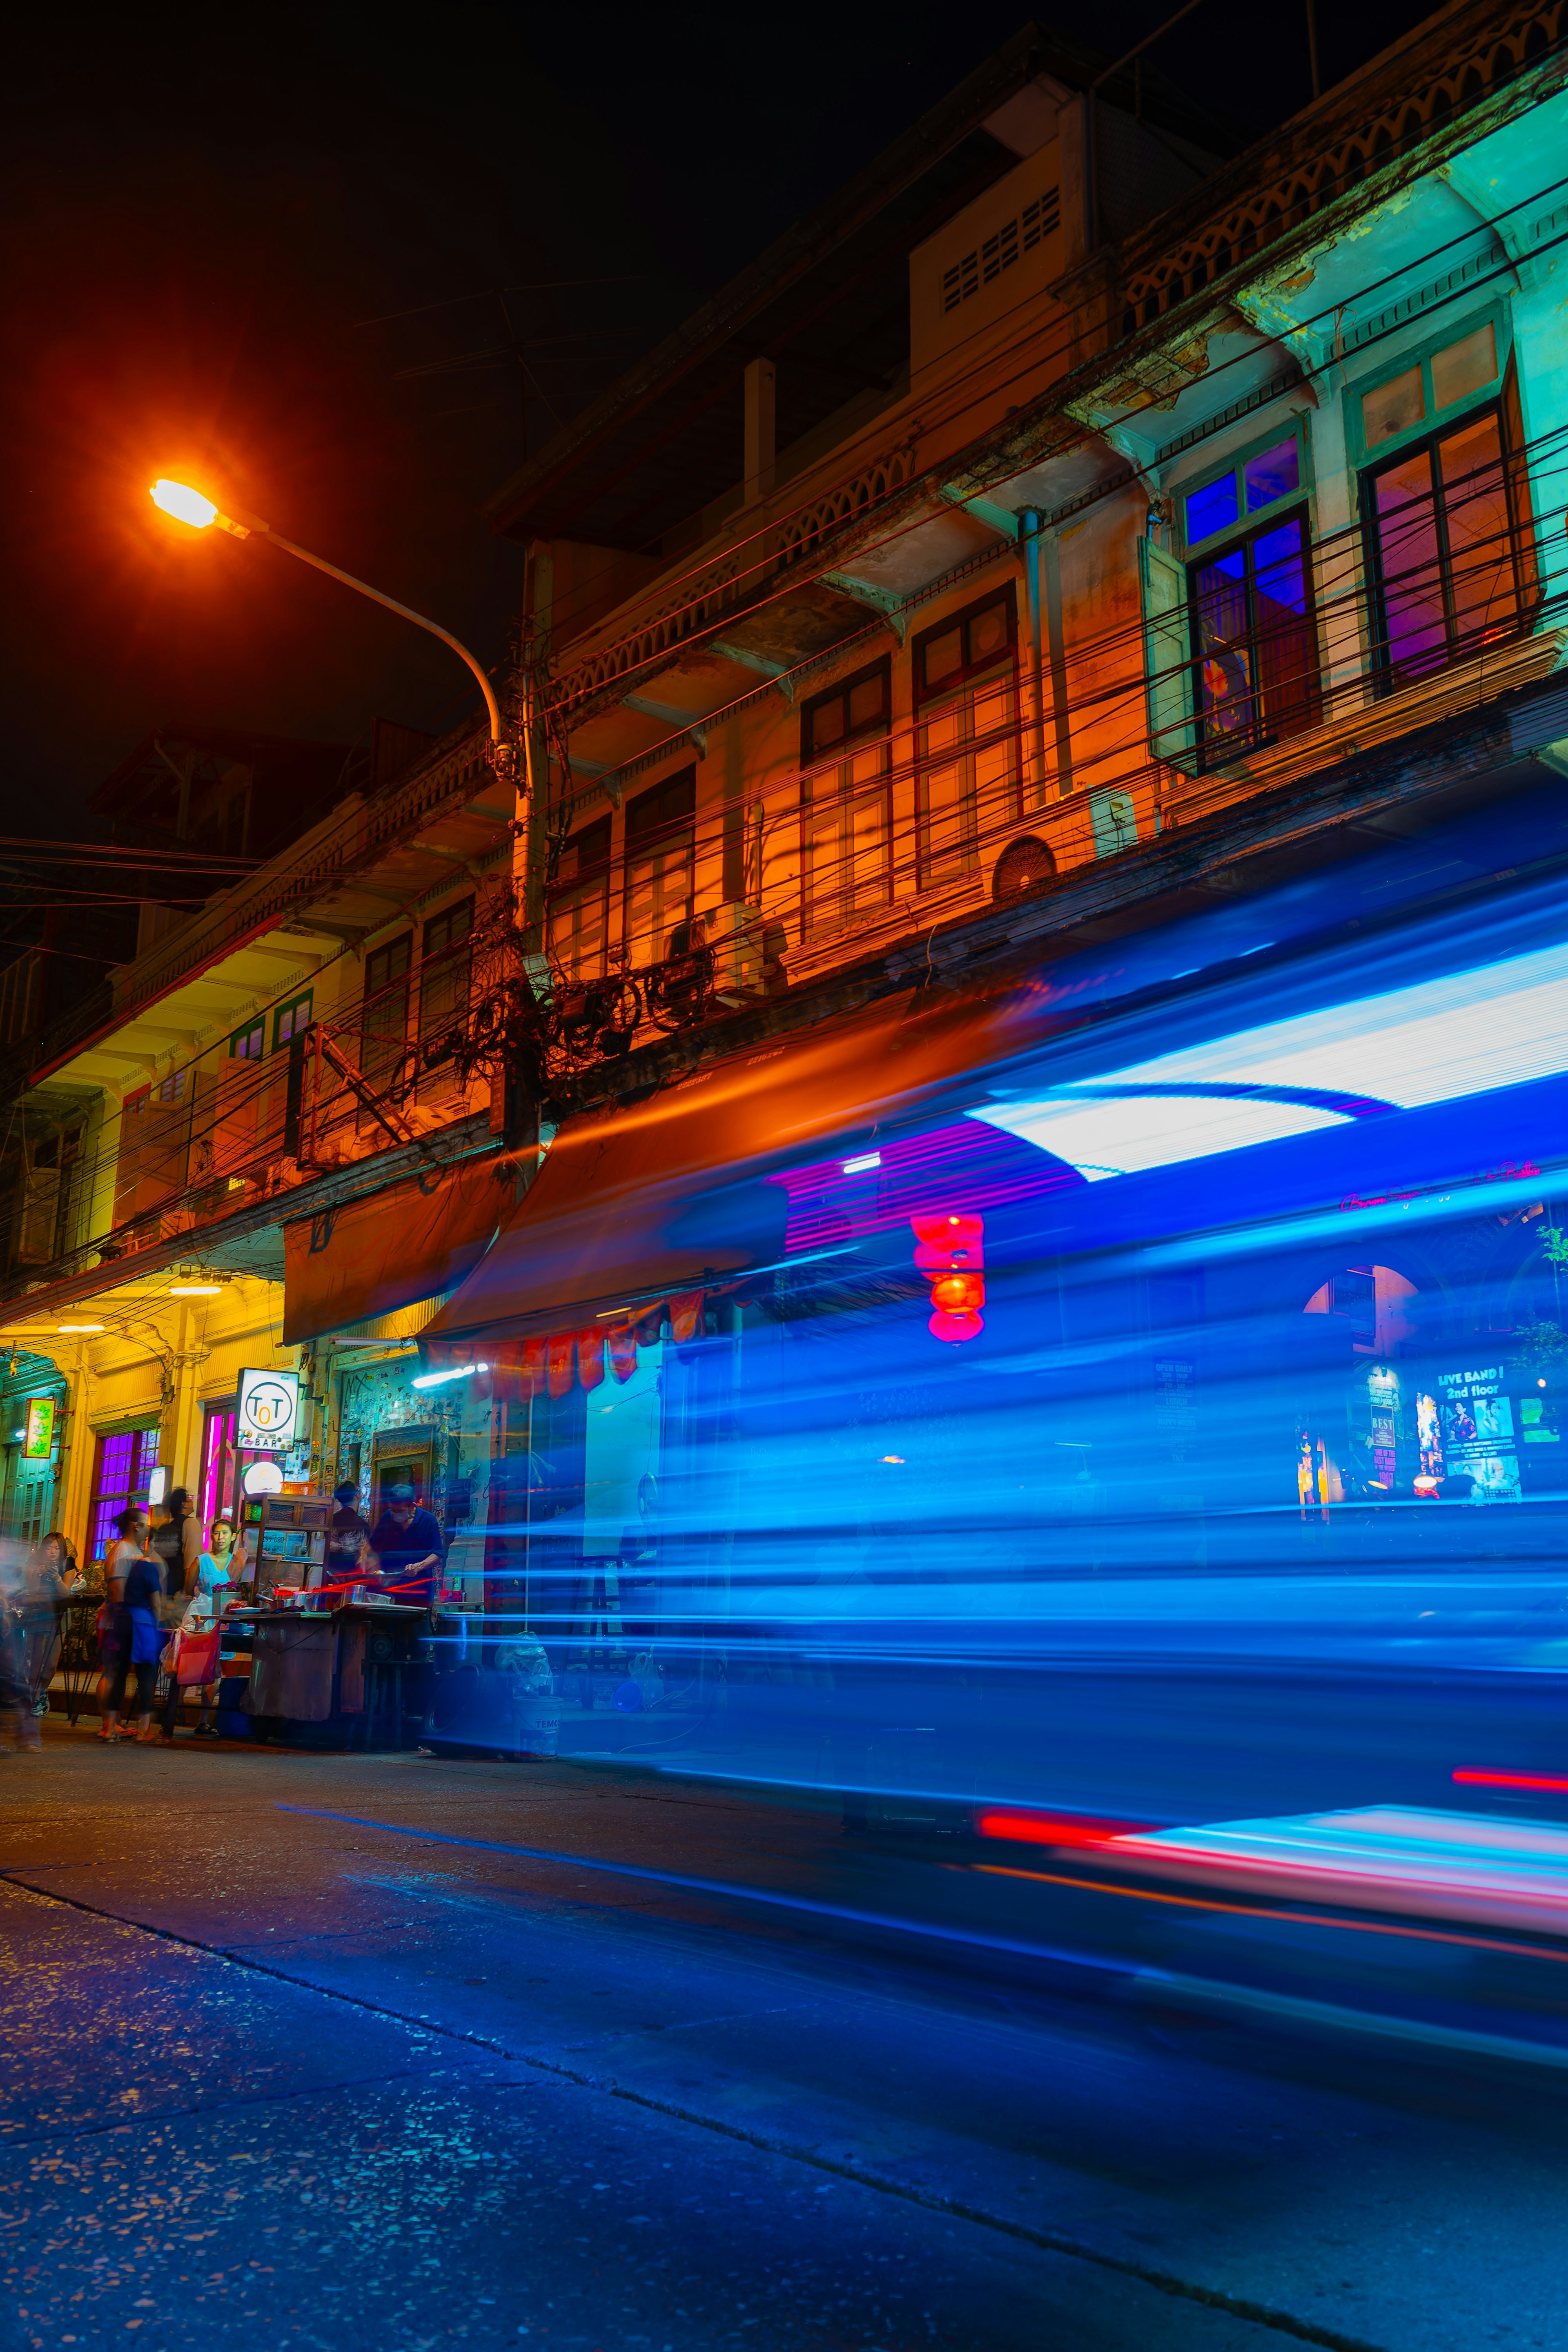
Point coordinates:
[(402, 1457)]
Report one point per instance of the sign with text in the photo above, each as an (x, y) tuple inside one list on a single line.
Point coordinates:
[(268, 1415), (38, 1438)]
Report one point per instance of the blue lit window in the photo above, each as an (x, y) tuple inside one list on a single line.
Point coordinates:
[(1253, 640), (1247, 488)]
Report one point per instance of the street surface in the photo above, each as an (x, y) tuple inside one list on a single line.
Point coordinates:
[(279, 2073)]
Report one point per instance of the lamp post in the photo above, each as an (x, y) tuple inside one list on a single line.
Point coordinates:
[(189, 506)]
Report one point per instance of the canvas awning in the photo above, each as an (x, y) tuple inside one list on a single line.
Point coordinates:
[(669, 1196), (343, 1266)]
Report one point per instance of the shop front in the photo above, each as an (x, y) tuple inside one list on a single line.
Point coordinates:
[(832, 1415)]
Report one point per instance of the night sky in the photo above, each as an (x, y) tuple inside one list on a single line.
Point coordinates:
[(201, 207)]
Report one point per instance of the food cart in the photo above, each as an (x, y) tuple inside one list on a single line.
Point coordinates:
[(328, 1665)]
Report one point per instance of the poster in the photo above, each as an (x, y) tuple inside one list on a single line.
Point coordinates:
[(1475, 1419)]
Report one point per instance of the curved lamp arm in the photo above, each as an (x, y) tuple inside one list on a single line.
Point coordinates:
[(189, 506)]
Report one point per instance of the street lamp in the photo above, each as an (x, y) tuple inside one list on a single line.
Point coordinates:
[(190, 507)]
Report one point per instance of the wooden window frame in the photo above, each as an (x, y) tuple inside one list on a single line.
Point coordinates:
[(662, 835), (975, 841), (1502, 404)]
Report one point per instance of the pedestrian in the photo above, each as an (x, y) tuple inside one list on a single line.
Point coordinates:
[(51, 1573), (144, 1605), (114, 1628), (177, 1541), (349, 1530), (203, 1606), (16, 1694)]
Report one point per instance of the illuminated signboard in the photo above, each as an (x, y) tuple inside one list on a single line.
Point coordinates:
[(39, 1439), (268, 1414), (1478, 1440)]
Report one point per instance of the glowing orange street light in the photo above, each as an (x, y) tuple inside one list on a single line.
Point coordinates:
[(188, 506)]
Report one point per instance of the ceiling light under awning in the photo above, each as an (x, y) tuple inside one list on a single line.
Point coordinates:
[(1463, 1033), (1110, 1134)]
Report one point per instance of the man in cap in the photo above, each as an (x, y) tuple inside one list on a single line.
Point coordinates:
[(407, 1540)]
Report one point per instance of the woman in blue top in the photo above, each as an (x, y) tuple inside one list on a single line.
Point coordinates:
[(216, 1585), (144, 1590)]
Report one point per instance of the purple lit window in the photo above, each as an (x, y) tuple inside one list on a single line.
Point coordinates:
[(1445, 551), (125, 1463)]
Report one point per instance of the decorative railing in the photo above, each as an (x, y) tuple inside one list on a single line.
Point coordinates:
[(356, 829), (803, 533), (1484, 58), (735, 580)]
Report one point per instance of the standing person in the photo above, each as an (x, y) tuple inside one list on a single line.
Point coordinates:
[(143, 1604), (204, 1607), (350, 1530), (50, 1575), (114, 1629), (177, 1541), (16, 1695), (408, 1541)]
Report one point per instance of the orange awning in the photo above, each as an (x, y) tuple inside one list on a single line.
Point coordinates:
[(344, 1265), (669, 1196)]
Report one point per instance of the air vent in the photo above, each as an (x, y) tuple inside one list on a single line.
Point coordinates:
[(1001, 250)]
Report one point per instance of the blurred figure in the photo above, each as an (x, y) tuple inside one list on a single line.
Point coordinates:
[(51, 1574), (348, 1532), (15, 1694), (145, 1606), (114, 1628)]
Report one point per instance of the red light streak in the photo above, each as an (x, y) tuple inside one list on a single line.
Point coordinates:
[(1478, 1779), (1048, 1829)]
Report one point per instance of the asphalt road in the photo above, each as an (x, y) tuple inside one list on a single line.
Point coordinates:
[(301, 2051)]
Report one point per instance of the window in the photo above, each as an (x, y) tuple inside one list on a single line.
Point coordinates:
[(847, 816), (154, 1138), (967, 777), (125, 1463), (1446, 552), (445, 965), (1248, 486), (1252, 635), (1423, 387), (1256, 668), (290, 1019), (579, 904), (661, 851), (858, 706), (247, 1044), (385, 1028)]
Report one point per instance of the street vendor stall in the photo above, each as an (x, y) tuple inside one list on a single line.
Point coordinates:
[(330, 1675)]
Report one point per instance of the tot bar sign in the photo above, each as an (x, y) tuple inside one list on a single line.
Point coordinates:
[(268, 1417)]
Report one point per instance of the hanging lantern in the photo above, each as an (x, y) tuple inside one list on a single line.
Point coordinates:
[(950, 1251)]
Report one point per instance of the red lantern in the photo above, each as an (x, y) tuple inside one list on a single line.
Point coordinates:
[(950, 1251)]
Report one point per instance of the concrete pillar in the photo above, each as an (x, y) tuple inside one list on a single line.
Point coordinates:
[(760, 448), (183, 1422), (74, 1502)]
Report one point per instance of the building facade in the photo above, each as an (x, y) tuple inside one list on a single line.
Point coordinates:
[(1035, 582)]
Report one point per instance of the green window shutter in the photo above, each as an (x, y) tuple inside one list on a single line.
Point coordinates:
[(1167, 653), (1114, 821)]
